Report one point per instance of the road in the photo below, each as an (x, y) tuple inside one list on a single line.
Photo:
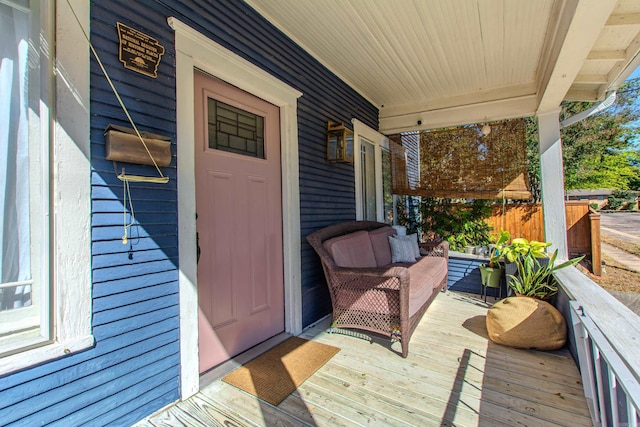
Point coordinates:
[(623, 225)]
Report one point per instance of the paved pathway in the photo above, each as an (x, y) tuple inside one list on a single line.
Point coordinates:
[(625, 258)]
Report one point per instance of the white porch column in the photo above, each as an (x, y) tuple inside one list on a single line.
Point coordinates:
[(552, 179)]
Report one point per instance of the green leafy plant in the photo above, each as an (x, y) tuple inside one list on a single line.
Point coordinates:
[(535, 278), (492, 273), (496, 254), (523, 248)]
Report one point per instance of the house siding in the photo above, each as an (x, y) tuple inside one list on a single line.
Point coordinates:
[(134, 367)]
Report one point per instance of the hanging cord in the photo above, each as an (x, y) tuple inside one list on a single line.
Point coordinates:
[(161, 179), (504, 204), (127, 194)]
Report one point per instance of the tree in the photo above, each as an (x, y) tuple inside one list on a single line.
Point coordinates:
[(599, 152)]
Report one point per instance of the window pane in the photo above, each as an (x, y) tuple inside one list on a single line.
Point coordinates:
[(234, 130), (14, 147), (23, 229)]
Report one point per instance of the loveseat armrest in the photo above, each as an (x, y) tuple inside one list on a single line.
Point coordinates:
[(439, 249)]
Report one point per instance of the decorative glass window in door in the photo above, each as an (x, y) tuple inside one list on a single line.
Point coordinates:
[(235, 130)]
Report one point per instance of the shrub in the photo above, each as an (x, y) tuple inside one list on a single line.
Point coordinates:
[(461, 224), (619, 198)]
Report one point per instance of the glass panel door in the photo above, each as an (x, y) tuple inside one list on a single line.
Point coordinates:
[(368, 171)]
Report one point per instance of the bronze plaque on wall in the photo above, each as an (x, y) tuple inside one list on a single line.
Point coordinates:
[(138, 51)]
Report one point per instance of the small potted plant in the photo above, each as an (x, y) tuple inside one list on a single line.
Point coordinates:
[(491, 273), (535, 269)]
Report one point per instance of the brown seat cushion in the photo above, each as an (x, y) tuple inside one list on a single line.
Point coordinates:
[(425, 275), (352, 250), (524, 322)]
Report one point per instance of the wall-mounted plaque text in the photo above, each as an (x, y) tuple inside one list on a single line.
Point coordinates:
[(138, 51)]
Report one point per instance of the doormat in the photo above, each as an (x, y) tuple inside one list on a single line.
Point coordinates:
[(275, 374)]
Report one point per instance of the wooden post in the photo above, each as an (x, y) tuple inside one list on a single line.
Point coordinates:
[(596, 253)]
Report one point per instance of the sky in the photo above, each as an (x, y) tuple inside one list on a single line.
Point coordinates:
[(635, 74)]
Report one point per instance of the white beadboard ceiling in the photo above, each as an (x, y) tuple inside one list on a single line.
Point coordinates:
[(451, 62)]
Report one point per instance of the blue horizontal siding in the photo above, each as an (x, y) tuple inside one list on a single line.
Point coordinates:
[(142, 281), (133, 369), (327, 193), (464, 276)]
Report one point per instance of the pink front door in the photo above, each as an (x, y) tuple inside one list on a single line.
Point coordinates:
[(239, 223)]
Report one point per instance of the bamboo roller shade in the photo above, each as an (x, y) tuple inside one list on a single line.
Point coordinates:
[(462, 163)]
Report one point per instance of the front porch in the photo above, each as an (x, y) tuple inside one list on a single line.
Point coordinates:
[(453, 376)]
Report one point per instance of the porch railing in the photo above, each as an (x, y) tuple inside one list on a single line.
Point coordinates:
[(604, 340), (611, 389)]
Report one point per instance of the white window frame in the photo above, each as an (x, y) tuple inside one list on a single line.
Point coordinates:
[(379, 141), (69, 177)]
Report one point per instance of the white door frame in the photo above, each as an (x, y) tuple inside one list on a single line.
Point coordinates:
[(194, 50), (379, 141)]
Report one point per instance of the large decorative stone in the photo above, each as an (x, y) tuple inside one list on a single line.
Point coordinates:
[(524, 322)]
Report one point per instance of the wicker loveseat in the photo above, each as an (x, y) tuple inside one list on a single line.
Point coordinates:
[(370, 292)]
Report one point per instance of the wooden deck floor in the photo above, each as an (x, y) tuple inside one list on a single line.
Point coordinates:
[(453, 376)]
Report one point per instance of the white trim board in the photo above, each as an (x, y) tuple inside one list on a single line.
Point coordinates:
[(194, 50)]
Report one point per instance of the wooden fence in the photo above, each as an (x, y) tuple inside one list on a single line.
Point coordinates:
[(525, 220)]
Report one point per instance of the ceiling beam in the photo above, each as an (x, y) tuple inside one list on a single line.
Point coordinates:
[(511, 108), (626, 19), (577, 31), (590, 95), (606, 55), (598, 79)]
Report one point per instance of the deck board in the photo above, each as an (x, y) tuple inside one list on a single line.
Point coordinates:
[(453, 376)]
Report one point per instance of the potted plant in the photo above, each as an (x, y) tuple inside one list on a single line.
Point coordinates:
[(491, 273), (520, 248), (535, 269)]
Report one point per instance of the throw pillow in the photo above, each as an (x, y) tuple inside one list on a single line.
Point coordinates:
[(413, 239), (401, 250)]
